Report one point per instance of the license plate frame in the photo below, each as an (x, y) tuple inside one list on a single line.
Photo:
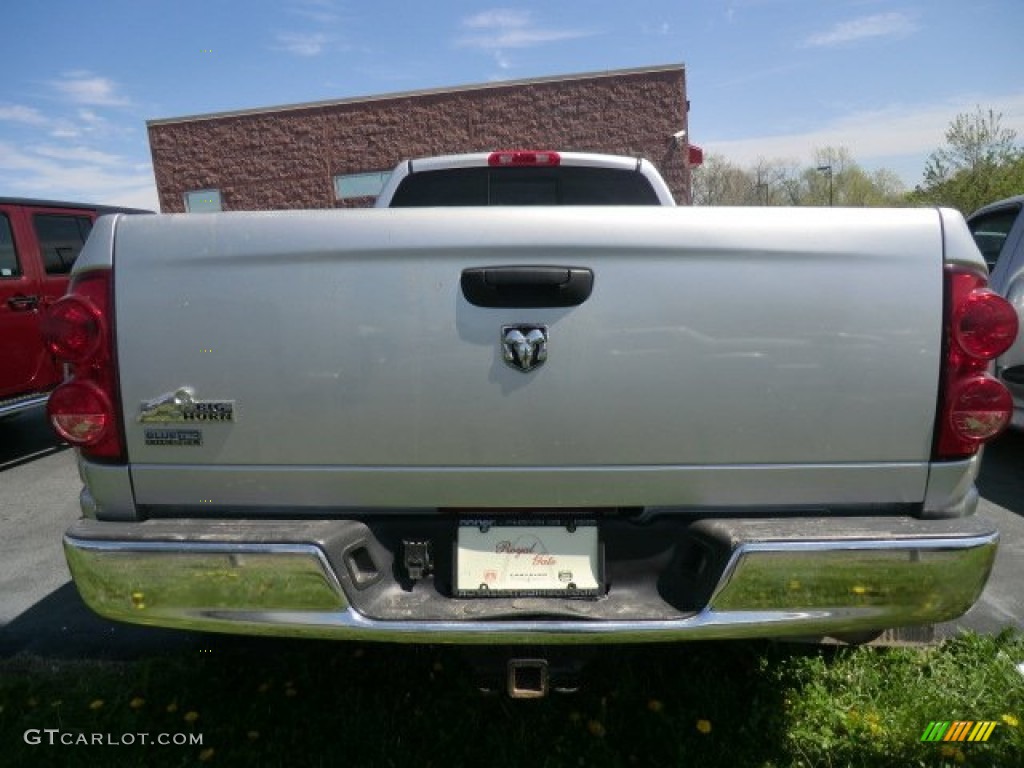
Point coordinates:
[(496, 558)]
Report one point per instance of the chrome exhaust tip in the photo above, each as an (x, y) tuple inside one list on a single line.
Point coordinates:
[(528, 678)]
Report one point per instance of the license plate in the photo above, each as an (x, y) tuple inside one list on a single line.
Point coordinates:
[(527, 559)]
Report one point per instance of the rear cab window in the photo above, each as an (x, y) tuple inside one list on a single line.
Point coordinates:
[(563, 185)]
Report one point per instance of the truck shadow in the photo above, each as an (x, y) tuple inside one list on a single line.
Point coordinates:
[(1001, 479), (398, 701), (61, 626), (26, 437)]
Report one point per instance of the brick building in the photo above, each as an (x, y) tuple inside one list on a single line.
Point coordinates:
[(337, 153)]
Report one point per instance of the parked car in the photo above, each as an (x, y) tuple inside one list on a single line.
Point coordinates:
[(39, 242), (998, 230)]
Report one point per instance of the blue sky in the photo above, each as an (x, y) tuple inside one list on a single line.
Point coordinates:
[(766, 78)]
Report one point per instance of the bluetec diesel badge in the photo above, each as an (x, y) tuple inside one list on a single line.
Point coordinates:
[(190, 437)]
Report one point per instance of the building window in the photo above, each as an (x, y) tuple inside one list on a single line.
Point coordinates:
[(360, 184), (60, 240), (203, 201)]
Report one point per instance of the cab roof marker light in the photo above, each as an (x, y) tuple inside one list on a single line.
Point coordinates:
[(523, 158)]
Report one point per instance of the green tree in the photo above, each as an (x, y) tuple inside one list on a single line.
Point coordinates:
[(720, 182), (780, 182), (836, 176), (980, 162), (974, 142)]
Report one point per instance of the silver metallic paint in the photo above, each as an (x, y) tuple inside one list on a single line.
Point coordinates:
[(715, 338)]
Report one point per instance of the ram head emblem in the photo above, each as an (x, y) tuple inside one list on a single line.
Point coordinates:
[(525, 347)]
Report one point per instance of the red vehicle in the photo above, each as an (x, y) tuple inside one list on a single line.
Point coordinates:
[(39, 242)]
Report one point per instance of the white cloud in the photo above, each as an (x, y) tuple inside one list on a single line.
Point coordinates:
[(143, 196), (318, 11), (16, 113), (893, 25), (76, 154), (910, 132), (497, 17), (55, 126), (658, 30), (504, 28), (83, 87), (302, 44), (90, 117), (75, 174)]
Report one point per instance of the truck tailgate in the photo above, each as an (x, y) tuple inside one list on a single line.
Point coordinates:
[(725, 356)]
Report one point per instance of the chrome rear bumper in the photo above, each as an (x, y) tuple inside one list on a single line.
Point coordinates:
[(778, 578)]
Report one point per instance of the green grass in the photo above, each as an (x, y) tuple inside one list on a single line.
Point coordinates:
[(260, 702)]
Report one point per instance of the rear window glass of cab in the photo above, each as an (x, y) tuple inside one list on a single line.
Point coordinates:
[(564, 185)]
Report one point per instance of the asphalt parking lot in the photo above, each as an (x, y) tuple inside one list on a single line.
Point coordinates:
[(42, 614)]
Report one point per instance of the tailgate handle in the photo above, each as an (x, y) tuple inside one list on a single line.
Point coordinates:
[(526, 286)]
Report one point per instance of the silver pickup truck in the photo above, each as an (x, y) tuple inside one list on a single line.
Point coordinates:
[(531, 424)]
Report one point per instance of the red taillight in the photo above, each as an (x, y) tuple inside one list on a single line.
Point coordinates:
[(521, 158), (80, 412), (73, 329), (77, 329), (985, 325), (979, 408), (980, 326)]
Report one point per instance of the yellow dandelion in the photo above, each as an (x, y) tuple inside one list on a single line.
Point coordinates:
[(206, 755), (137, 703), (1011, 721), (655, 706), (96, 704), (191, 716), (172, 707), (596, 728), (253, 735), (859, 590), (704, 726)]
